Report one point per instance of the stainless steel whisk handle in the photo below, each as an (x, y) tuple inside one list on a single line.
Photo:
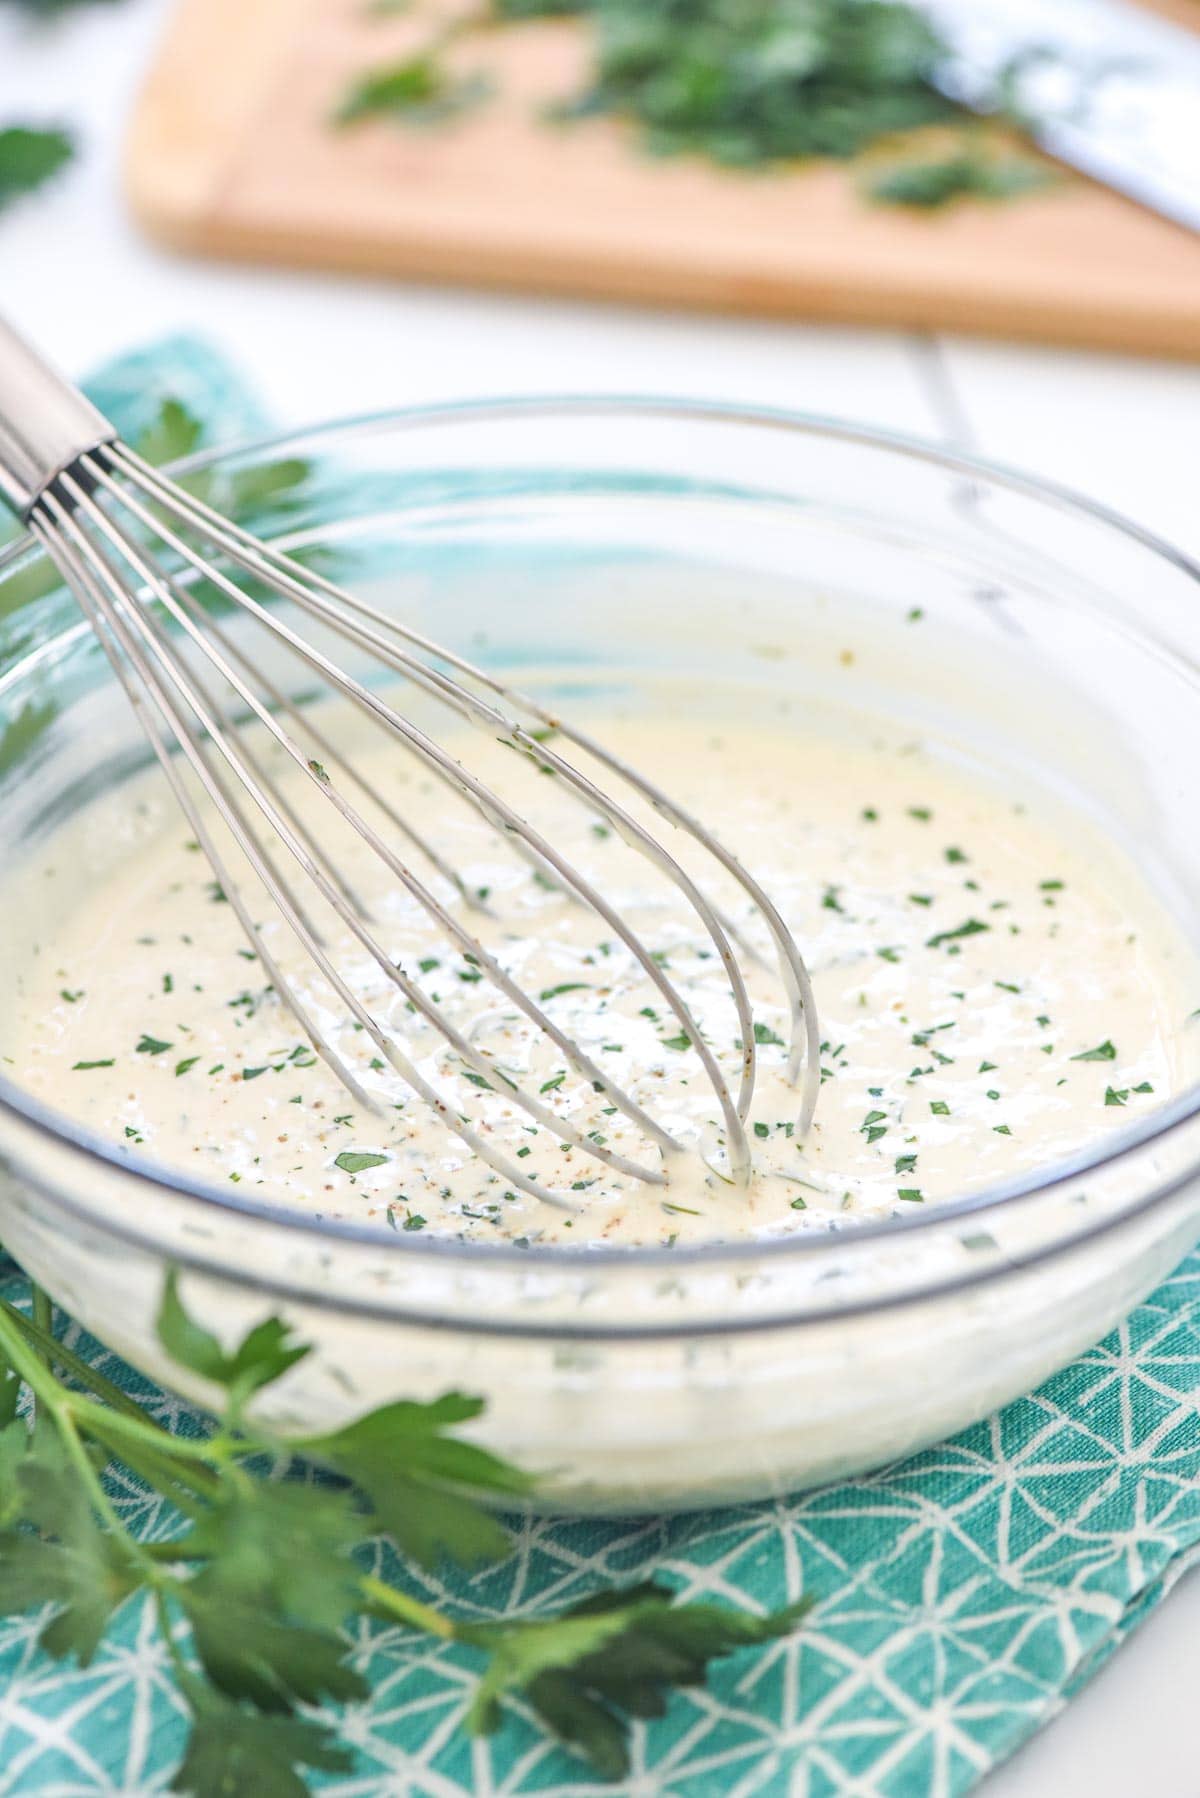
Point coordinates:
[(45, 423)]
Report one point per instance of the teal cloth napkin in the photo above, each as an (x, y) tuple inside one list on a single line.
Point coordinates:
[(964, 1594)]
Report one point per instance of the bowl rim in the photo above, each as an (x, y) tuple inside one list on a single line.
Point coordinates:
[(1109, 1150)]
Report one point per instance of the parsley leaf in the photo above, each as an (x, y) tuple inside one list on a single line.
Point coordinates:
[(28, 158), (70, 1563), (286, 1546), (422, 1481), (241, 1754), (932, 182), (418, 90), (175, 432), (357, 1161), (972, 927), (749, 85), (261, 1357), (618, 1652), (252, 1653)]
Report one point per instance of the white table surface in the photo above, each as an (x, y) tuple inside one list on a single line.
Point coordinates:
[(74, 272)]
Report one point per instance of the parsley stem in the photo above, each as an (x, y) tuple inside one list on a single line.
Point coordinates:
[(175, 1549), (409, 1610), (52, 1397), (18, 1347), (93, 1484), (131, 1429), (75, 1365), (30, 1363), (43, 1314), (183, 1485)]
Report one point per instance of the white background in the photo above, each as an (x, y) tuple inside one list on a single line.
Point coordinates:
[(74, 273)]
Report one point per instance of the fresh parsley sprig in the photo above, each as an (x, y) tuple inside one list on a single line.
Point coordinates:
[(255, 1590)]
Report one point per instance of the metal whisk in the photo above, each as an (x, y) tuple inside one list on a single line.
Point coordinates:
[(131, 545)]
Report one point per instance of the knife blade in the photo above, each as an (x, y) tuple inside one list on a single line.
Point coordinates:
[(1100, 84)]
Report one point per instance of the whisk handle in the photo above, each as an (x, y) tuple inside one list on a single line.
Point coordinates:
[(45, 423)]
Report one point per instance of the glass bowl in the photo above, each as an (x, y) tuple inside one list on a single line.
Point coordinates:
[(1055, 641)]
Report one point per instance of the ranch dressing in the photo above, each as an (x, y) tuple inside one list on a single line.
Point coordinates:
[(996, 988)]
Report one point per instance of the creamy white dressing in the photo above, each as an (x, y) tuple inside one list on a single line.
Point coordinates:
[(996, 988)]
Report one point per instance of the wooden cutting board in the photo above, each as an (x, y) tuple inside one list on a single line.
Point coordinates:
[(232, 154)]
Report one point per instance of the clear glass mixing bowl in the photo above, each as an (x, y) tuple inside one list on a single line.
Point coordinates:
[(1055, 641)]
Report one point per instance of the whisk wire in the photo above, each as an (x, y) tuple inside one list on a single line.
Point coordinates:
[(473, 710), (491, 805), (270, 563), (90, 501), (126, 619), (153, 711)]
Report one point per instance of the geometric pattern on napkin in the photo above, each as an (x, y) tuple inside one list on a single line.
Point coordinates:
[(964, 1593)]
